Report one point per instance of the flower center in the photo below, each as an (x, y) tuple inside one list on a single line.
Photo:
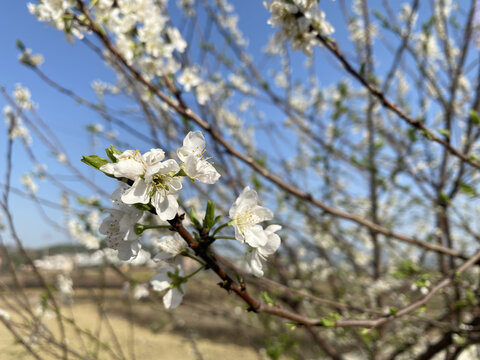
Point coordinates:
[(245, 219)]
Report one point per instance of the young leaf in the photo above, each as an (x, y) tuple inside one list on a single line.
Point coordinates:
[(194, 219), (208, 221), (475, 117), (94, 161), (111, 151)]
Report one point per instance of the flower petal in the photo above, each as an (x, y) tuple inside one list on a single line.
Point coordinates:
[(254, 264), (193, 144), (161, 281), (172, 298), (166, 205), (255, 236), (138, 193)]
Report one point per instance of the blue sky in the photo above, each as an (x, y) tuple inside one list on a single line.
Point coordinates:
[(76, 67)]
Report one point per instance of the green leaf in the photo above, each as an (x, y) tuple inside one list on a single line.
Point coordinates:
[(467, 189), (327, 322), (94, 161), (20, 45), (194, 219), (268, 300), (111, 151), (444, 132), (208, 220), (143, 207), (291, 326), (474, 117), (444, 197)]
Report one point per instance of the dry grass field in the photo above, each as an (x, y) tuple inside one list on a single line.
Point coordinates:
[(106, 324)]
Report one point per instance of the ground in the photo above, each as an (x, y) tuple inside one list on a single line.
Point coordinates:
[(134, 329)]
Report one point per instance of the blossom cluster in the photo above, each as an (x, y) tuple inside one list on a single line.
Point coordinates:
[(150, 179), (301, 21)]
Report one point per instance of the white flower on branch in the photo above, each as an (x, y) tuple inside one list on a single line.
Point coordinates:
[(22, 97), (246, 214), (16, 127), (300, 21), (154, 180), (189, 78), (28, 182), (65, 287), (172, 279), (119, 227), (260, 253), (194, 164), (170, 246), (27, 58)]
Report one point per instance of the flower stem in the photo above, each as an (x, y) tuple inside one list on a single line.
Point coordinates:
[(140, 228), (187, 254), (220, 228), (226, 238), (195, 272)]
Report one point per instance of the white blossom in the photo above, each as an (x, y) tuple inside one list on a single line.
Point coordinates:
[(28, 182), (169, 246), (22, 97), (300, 21), (195, 165), (140, 291), (172, 279), (16, 127), (119, 226), (65, 287), (154, 180), (189, 78), (27, 58), (260, 253), (246, 214)]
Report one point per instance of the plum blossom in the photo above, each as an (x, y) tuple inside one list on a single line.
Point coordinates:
[(259, 254), (189, 78), (300, 21), (194, 164), (154, 180), (65, 287), (170, 246), (29, 59), (16, 127), (172, 279), (246, 214), (119, 227)]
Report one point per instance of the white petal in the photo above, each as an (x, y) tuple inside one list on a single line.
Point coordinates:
[(166, 206), (255, 236), (172, 298), (129, 168), (153, 156), (108, 168), (137, 194), (161, 281), (193, 144), (273, 228), (238, 233), (248, 198), (175, 185), (254, 264), (262, 213), (127, 249), (271, 246), (201, 170)]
